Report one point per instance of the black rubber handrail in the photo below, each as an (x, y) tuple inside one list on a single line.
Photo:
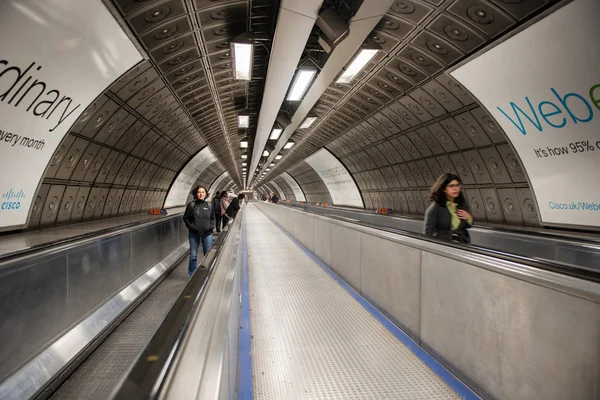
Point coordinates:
[(554, 234), (146, 377), (553, 266), (81, 237)]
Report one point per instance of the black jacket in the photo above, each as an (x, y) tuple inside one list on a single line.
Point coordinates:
[(216, 203), (233, 208), (274, 199), (199, 217), (438, 223)]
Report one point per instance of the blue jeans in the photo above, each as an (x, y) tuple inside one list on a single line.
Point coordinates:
[(195, 240)]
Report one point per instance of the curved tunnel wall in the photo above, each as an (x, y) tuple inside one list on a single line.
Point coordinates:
[(121, 155), (179, 193), (287, 190), (405, 120), (298, 193), (312, 185), (46, 84)]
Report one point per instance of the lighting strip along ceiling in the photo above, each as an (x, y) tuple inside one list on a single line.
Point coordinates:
[(210, 79), (295, 22), (361, 25)]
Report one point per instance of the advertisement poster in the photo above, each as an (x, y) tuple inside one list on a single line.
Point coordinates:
[(543, 87), (54, 61), (338, 180), (180, 190), (298, 193)]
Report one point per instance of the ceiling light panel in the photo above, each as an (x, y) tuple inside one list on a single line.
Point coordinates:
[(301, 83), (243, 121), (308, 121), (359, 62), (242, 55), (275, 133)]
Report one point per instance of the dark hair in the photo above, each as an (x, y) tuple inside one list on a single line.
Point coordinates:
[(223, 194), (194, 192), (241, 196), (436, 193)]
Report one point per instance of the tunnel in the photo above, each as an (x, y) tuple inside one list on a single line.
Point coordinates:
[(299, 199)]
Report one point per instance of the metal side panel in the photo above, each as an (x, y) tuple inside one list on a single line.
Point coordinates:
[(32, 376)]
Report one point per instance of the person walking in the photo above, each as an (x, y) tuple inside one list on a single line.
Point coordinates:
[(216, 203), (224, 204), (199, 218), (234, 206), (448, 215)]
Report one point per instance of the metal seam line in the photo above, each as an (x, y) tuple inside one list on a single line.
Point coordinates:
[(288, 133), (213, 90), (245, 389), (457, 385), (344, 99)]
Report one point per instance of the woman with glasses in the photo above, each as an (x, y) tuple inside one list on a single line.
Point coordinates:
[(448, 215)]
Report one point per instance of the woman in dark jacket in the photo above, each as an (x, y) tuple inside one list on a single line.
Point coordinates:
[(199, 218), (448, 215)]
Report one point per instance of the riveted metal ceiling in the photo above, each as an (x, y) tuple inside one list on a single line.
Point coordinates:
[(189, 43), (404, 121)]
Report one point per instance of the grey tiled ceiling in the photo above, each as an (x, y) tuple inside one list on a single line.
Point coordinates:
[(404, 120), (188, 43)]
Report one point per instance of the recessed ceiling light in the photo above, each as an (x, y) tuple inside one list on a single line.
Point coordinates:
[(308, 121), (359, 62), (302, 81)]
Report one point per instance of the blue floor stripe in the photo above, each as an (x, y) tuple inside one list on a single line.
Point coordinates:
[(245, 350), (452, 381)]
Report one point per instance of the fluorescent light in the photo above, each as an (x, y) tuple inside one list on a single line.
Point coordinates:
[(308, 121), (278, 157), (243, 169), (243, 121), (268, 169), (288, 145), (300, 84), (356, 65), (265, 153), (244, 156), (242, 54), (244, 164), (275, 133), (244, 144), (272, 164)]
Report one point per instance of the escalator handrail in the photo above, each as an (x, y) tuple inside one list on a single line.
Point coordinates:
[(576, 240), (147, 376), (458, 249), (53, 247)]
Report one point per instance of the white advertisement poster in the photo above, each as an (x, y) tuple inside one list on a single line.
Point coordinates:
[(56, 57), (180, 190), (543, 87), (338, 180), (298, 193), (278, 190), (217, 184)]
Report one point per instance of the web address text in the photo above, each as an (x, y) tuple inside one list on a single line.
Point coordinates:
[(575, 206)]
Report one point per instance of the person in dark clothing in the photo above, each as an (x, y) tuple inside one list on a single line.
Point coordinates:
[(224, 205), (216, 203), (448, 215), (274, 198), (199, 218), (234, 206)]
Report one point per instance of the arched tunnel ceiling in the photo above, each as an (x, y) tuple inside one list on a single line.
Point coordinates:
[(404, 120), (188, 43)]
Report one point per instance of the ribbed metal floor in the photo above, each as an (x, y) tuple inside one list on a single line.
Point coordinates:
[(312, 340), (100, 373)]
